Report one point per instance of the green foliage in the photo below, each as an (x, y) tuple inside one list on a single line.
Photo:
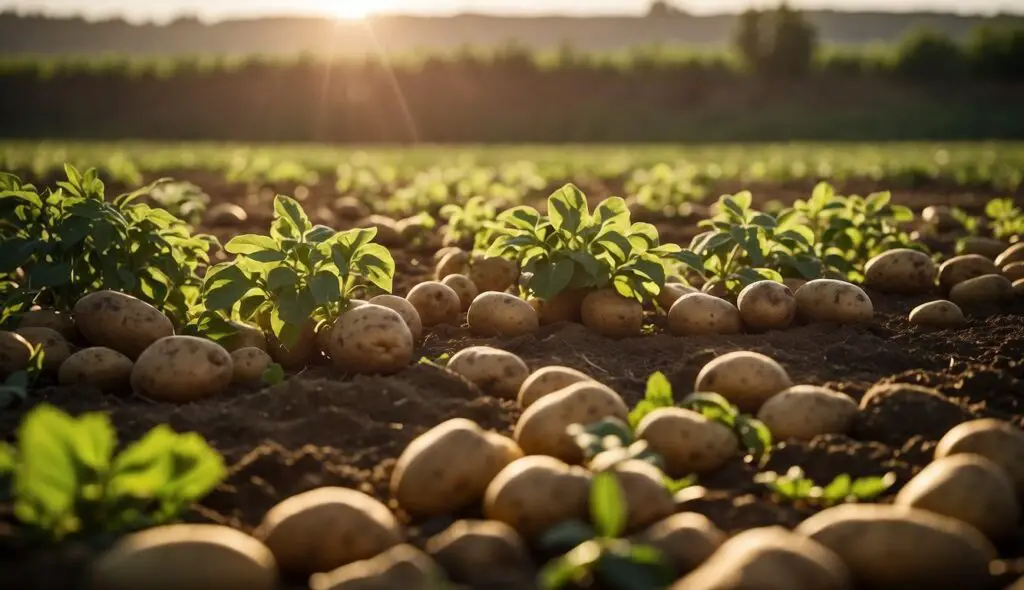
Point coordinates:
[(1005, 219), (273, 374), (612, 438), (469, 225), (15, 387), (184, 200), (927, 54), (779, 43), (657, 395), (66, 480), (794, 486)]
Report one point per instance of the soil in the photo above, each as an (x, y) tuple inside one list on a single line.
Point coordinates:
[(322, 428)]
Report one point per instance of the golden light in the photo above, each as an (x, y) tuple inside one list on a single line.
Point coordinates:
[(351, 9)]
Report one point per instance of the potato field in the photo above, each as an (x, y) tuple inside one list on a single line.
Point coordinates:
[(247, 367)]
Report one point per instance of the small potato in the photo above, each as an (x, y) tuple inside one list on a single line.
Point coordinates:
[(535, 493), (766, 305), (1014, 271), (249, 363), (454, 262), (119, 321), (889, 547), (225, 215), (938, 314), (182, 369), (981, 290), (246, 336), (803, 412), (193, 556), (300, 353), (647, 498), (541, 430), (671, 293), (370, 339), (1014, 253), (99, 367), (501, 314), (612, 315), (436, 303), (388, 234), (769, 558), (405, 309), (901, 270), (698, 314), (567, 306), (496, 372), (448, 467), (481, 552), (350, 209), (547, 380), (746, 379), (998, 441), (493, 274), (686, 540), (402, 566), (969, 488), (444, 251), (960, 268), (988, 247), (15, 353), (49, 318), (463, 287), (940, 217), (830, 300), (687, 440), (56, 349), (326, 528)]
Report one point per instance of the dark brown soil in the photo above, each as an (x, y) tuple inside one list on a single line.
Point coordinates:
[(324, 428)]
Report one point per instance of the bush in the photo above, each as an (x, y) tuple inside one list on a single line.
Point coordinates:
[(994, 52), (926, 54)]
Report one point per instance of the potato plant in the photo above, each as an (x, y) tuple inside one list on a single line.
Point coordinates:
[(15, 386), (1003, 220), (794, 486), (469, 225)]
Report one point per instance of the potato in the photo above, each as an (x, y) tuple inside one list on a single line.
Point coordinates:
[(969, 488), (960, 268), (686, 540), (402, 566), (326, 528), (547, 380), (370, 339), (794, 283), (1015, 253), (998, 441), (481, 552), (981, 290), (249, 363), (612, 315), (496, 372), (698, 314), (448, 467), (830, 300), (647, 498), (388, 234), (15, 353), (350, 209), (715, 288), (182, 369), (766, 305), (687, 440), (803, 412), (889, 547), (56, 349), (404, 309), (567, 306), (1014, 271), (119, 321), (988, 247), (746, 379), (193, 556), (1018, 287), (463, 287), (454, 262), (246, 336), (671, 293), (501, 314), (99, 367), (436, 303), (541, 430), (940, 217), (49, 318), (225, 215), (901, 270), (938, 314), (534, 494), (493, 274), (769, 558), (299, 354)]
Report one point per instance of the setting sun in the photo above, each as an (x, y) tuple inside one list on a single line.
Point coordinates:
[(352, 9)]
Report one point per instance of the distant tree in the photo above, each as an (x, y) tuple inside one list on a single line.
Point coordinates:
[(780, 43), (748, 39), (662, 8), (996, 52), (926, 53)]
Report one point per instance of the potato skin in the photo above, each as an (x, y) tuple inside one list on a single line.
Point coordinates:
[(901, 270), (567, 306), (225, 215), (370, 339), (480, 552), (831, 300), (940, 217), (463, 287), (300, 354), (454, 262), (501, 314), (747, 379), (405, 309), (612, 315), (99, 367), (246, 336), (1018, 288), (402, 566), (541, 430), (547, 380), (436, 303), (350, 209), (50, 318), (803, 412), (671, 293), (182, 369), (687, 441), (996, 440), (388, 234), (326, 528), (988, 247), (56, 349), (647, 498), (698, 314), (122, 322), (1014, 271), (497, 372), (194, 556), (249, 364), (1015, 253), (533, 494), (493, 274), (938, 314), (15, 353), (991, 288), (967, 266), (766, 305), (686, 539), (448, 468)]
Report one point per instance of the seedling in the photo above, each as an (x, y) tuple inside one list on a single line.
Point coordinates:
[(794, 486), (469, 225), (184, 200)]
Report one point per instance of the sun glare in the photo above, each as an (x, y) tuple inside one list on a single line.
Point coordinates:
[(350, 9)]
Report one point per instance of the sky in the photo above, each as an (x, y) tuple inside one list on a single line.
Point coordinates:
[(162, 10)]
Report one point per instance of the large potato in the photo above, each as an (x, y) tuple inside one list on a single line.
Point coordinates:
[(501, 314), (370, 339), (686, 540), (612, 315), (326, 528), (250, 364), (960, 268), (1014, 253), (766, 305), (454, 262), (746, 379), (119, 321), (1014, 271), (671, 293), (988, 247), (887, 547), (541, 430), (436, 303), (997, 441), (687, 440), (697, 314), (182, 369), (15, 353), (535, 493), (481, 553), (969, 488), (830, 300), (99, 367), (643, 488), (49, 318), (494, 371), (769, 558), (297, 355), (547, 380), (179, 556), (405, 309), (56, 349), (806, 411), (938, 314), (901, 271), (567, 306), (463, 287), (448, 467), (493, 274), (980, 290), (402, 566), (245, 336)]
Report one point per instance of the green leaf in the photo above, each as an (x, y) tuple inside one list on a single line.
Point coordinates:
[(196, 470), (251, 243), (144, 467), (754, 436), (325, 287), (551, 278), (47, 479), (273, 374), (571, 567), (282, 277), (838, 490), (659, 390), (375, 263), (867, 488), (289, 211), (8, 459), (612, 211), (607, 505), (50, 274), (567, 209)]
